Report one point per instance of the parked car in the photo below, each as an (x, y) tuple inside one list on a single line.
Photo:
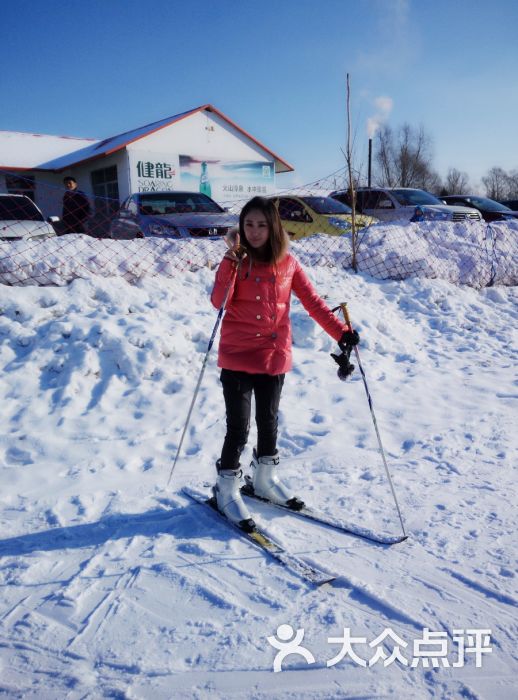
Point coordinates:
[(171, 215), (511, 203), (490, 209), (399, 204), (307, 215), (21, 218)]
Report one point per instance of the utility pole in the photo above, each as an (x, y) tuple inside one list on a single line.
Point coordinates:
[(370, 163), (352, 191)]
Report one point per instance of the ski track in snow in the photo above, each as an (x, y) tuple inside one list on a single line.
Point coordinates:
[(113, 586)]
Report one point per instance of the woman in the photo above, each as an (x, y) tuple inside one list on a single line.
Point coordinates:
[(257, 276)]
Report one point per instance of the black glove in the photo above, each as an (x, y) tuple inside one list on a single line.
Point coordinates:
[(348, 340), (345, 368)]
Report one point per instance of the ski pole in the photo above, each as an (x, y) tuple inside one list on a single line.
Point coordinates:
[(347, 318), (202, 371)]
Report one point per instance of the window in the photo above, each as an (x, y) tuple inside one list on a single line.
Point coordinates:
[(370, 200), (16, 184), (291, 210), (360, 200), (384, 202), (177, 203), (327, 205), (376, 200), (345, 198), (414, 197), (18, 208), (105, 186)]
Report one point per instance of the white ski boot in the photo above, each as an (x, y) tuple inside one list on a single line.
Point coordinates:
[(229, 499), (267, 485)]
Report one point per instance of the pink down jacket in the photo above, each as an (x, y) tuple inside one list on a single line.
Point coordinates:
[(256, 328)]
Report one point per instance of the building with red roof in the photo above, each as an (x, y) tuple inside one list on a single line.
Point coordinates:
[(198, 150)]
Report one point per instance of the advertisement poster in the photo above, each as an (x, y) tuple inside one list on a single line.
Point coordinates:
[(153, 172), (227, 181)]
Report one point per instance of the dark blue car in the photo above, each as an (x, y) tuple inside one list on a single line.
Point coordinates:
[(490, 209), (171, 215)]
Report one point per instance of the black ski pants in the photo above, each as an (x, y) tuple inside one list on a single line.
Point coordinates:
[(238, 388)]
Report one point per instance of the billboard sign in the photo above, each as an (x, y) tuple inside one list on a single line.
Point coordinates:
[(153, 172), (224, 180)]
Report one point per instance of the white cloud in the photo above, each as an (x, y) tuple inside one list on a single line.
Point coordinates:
[(383, 105)]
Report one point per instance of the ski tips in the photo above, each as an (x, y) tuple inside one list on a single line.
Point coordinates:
[(398, 540)]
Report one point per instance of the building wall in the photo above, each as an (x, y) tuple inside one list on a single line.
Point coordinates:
[(206, 133), (48, 189), (49, 193), (203, 153)]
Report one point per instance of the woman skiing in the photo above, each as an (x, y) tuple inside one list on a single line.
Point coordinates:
[(258, 274)]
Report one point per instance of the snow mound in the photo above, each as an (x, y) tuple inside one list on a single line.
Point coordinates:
[(465, 254)]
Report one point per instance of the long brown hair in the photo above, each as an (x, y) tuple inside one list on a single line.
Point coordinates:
[(278, 241)]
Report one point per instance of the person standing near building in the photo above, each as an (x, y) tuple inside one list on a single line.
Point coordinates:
[(76, 208)]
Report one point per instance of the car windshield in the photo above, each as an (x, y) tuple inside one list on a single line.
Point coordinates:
[(158, 203), (487, 204), (326, 205), (19, 209), (414, 197)]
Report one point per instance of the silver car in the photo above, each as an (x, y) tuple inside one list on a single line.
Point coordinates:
[(406, 204), (171, 215), (21, 218)]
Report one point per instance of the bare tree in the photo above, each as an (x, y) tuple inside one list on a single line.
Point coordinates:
[(456, 182), (404, 157), (385, 157), (498, 184), (432, 183), (513, 185)]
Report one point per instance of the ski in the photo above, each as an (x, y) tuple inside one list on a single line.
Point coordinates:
[(325, 519), (264, 542)]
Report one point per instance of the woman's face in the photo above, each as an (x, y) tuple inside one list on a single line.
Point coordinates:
[(256, 228)]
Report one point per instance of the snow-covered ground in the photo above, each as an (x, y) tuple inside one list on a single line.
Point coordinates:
[(476, 254), (113, 585)]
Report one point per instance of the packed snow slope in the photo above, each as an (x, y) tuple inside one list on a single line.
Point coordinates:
[(115, 586)]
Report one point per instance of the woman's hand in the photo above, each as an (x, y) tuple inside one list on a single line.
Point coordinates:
[(235, 250), (349, 339)]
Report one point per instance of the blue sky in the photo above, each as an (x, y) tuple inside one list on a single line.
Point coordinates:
[(277, 67)]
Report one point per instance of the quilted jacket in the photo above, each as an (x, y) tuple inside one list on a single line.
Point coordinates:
[(256, 329)]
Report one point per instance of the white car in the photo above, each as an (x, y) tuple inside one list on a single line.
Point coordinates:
[(20, 218), (406, 204)]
